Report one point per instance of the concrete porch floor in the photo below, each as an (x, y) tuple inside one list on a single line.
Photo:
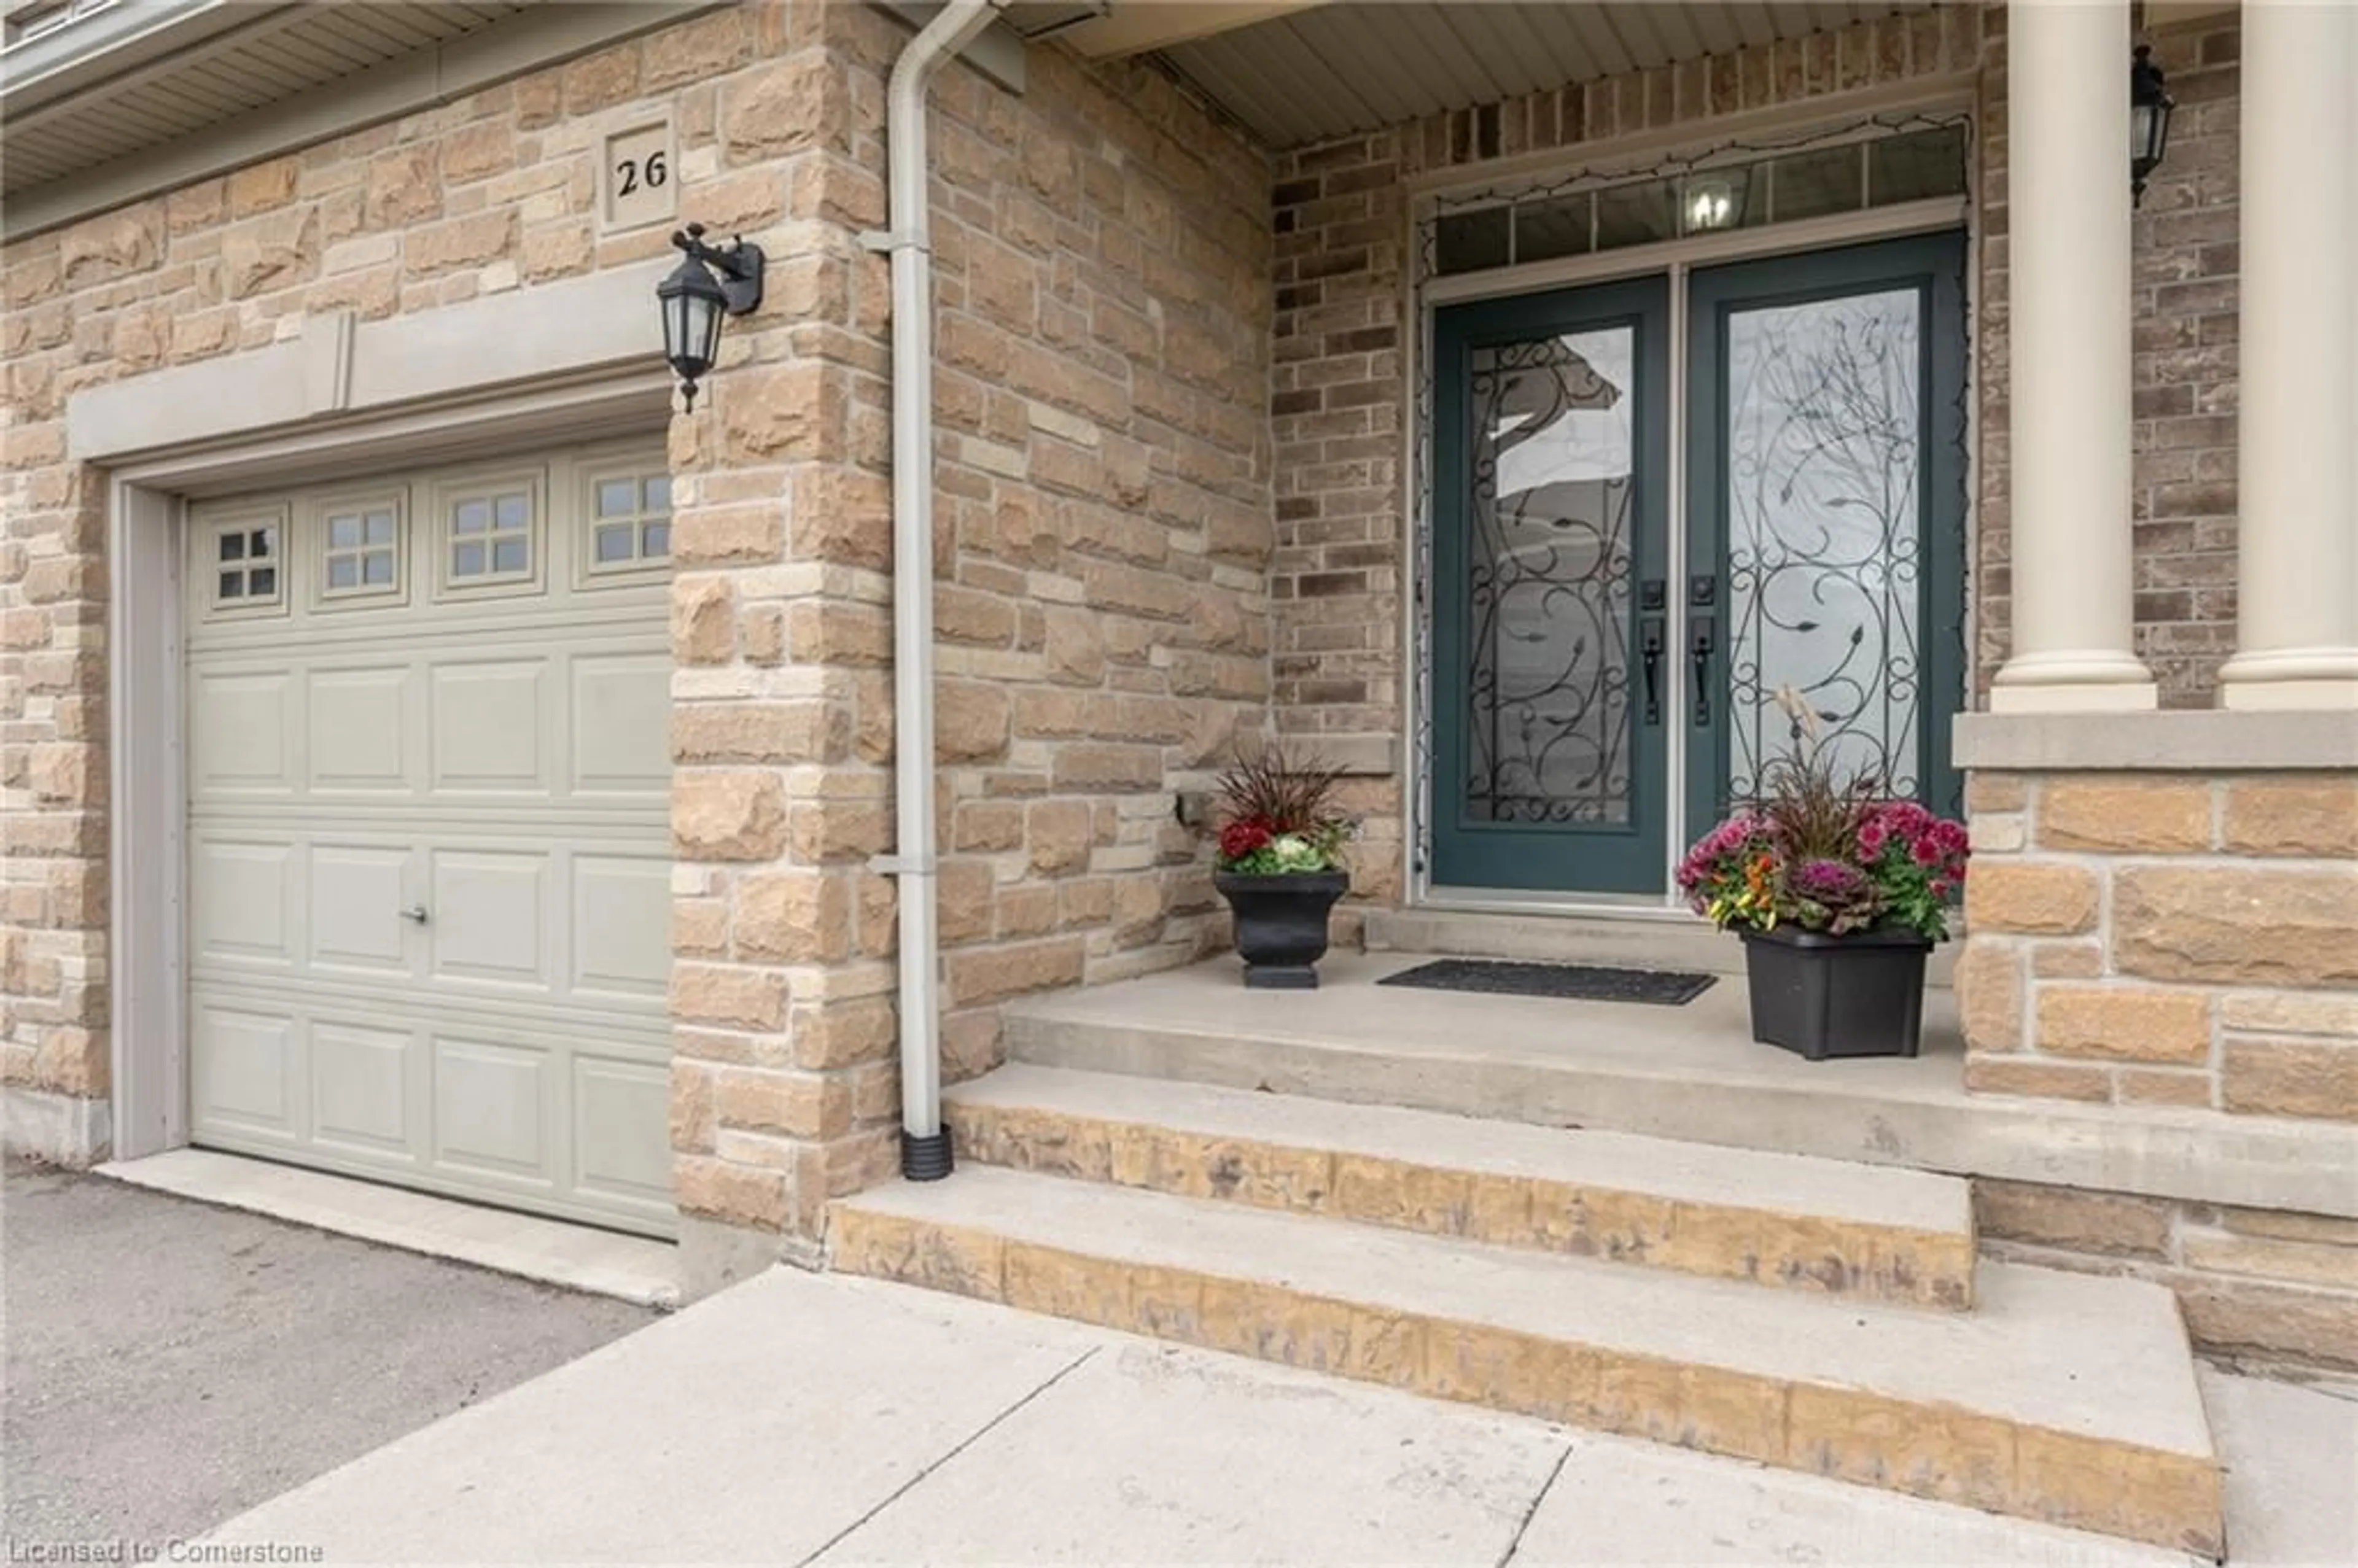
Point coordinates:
[(1692, 1072)]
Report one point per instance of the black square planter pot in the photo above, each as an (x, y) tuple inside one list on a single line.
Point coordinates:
[(1856, 995), (1281, 924)]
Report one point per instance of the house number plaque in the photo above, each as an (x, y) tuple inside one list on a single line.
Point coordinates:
[(638, 182)]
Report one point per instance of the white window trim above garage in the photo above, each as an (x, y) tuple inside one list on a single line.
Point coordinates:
[(568, 362)]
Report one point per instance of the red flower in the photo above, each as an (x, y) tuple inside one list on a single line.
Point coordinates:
[(1239, 839)]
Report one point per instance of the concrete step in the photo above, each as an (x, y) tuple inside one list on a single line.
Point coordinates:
[(1629, 942), (2065, 1397), (1819, 1224)]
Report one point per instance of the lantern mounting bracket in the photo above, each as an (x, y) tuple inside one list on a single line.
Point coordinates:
[(737, 267)]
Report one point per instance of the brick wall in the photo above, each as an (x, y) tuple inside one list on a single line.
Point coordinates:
[(2261, 1289), (2183, 504), (1103, 502), (2165, 939)]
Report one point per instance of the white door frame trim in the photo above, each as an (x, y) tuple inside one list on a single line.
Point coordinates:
[(146, 811), (1675, 259)]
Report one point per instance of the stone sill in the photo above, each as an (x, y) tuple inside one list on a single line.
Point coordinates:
[(2192, 740)]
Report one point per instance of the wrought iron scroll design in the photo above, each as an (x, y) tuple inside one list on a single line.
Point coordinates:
[(1825, 549), (1548, 586)]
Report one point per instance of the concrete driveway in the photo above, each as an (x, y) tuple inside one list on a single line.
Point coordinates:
[(171, 1364)]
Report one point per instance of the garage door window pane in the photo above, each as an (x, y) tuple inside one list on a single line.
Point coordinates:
[(632, 529), (362, 554), (246, 574), (491, 537)]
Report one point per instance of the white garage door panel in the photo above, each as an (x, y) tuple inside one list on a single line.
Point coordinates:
[(370, 740)]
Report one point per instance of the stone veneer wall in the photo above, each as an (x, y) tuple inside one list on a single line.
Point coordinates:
[(1103, 489), (2261, 1289), (2181, 939)]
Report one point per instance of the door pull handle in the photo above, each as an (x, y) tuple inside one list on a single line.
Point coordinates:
[(1702, 648), (415, 915), (1649, 660)]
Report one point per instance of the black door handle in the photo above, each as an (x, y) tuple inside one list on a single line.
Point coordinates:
[(1701, 648), (1650, 659)]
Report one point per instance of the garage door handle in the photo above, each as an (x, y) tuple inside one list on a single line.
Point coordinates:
[(415, 911)]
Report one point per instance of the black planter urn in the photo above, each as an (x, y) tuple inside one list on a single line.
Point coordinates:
[(1859, 994), (1281, 924)]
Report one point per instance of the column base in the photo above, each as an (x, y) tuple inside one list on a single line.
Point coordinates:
[(2075, 681), (2276, 679)]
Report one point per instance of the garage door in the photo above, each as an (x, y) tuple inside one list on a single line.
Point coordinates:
[(429, 859)]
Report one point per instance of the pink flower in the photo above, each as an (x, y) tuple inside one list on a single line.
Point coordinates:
[(1870, 837)]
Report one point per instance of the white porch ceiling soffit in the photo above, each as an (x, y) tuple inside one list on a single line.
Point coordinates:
[(1297, 71)]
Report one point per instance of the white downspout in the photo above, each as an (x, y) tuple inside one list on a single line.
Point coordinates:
[(924, 1147)]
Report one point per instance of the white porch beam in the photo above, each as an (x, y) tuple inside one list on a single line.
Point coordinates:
[(2297, 596), (1134, 26), (2067, 239)]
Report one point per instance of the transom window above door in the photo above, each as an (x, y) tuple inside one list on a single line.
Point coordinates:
[(1746, 188)]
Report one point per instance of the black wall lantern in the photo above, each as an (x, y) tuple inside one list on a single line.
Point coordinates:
[(2150, 108), (693, 301)]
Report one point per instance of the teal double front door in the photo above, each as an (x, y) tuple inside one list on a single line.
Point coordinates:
[(1634, 558)]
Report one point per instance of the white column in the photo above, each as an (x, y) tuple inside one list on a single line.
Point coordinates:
[(2068, 288), (2297, 432)]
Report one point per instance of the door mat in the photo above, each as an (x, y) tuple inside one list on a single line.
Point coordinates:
[(1574, 982)]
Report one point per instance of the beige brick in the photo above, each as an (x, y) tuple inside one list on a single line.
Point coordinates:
[(728, 816), (2031, 896), (745, 998), (798, 1104), (794, 917), (2043, 1080), (2315, 816), (2290, 1013), (2290, 1077), (2137, 1086), (2234, 926), (842, 1033), (2067, 960), (2124, 1024), (703, 621), (691, 1114), (1059, 834), (2289, 1225), (2287, 1262), (1986, 791), (2267, 1323), (990, 974), (2123, 816), (2110, 1224), (1989, 992), (735, 1194)]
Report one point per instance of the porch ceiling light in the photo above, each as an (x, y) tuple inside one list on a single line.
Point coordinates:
[(2150, 108), (709, 284), (1709, 203)]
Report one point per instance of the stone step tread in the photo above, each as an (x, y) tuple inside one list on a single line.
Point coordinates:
[(1844, 1192), (2087, 1356)]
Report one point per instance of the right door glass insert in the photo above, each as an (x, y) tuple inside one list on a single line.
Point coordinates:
[(1824, 532)]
